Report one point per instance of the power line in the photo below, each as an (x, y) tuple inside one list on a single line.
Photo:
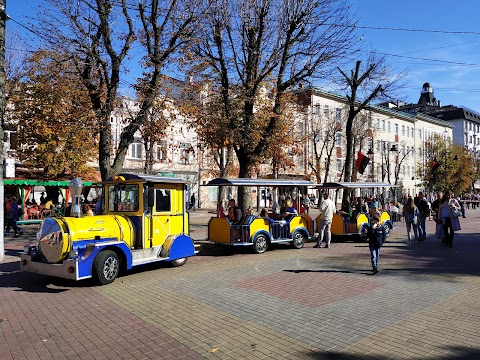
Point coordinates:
[(408, 30)]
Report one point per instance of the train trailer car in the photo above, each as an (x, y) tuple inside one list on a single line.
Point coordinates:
[(358, 225), (258, 232), (145, 221)]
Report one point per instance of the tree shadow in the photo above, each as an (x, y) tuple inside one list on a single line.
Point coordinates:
[(454, 353)]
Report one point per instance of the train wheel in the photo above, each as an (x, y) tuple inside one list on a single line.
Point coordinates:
[(260, 244), (179, 262), (106, 267), (298, 240)]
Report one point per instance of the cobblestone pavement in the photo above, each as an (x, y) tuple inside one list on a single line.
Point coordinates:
[(284, 304)]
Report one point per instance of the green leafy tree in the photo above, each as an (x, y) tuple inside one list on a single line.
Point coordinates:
[(49, 106), (455, 170)]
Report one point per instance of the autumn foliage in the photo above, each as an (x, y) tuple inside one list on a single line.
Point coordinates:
[(49, 105)]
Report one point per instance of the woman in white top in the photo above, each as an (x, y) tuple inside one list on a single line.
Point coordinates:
[(449, 220)]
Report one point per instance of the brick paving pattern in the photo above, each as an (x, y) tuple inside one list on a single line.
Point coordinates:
[(284, 304)]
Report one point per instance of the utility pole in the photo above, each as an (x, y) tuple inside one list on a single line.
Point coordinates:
[(3, 20)]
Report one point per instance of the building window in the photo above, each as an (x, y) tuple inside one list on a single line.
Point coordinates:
[(389, 126), (420, 134), (383, 125), (339, 165), (136, 150), (338, 139), (317, 109), (186, 152), (396, 129), (326, 112), (378, 123), (369, 121), (403, 130), (162, 151), (338, 114)]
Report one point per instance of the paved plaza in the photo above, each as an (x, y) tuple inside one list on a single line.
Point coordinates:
[(284, 304)]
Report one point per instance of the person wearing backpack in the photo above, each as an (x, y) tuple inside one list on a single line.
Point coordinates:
[(376, 238), (411, 214), (11, 215)]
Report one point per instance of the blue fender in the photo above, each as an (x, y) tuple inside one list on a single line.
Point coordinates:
[(262, 232), (177, 247), (302, 230), (88, 249)]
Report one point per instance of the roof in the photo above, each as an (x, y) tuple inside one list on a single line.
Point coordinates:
[(146, 178), (258, 182), (352, 185), (403, 115)]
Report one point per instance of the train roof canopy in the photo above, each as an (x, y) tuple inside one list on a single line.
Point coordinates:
[(146, 178), (353, 185), (257, 182)]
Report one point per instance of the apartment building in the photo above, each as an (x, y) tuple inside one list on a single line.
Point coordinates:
[(393, 140)]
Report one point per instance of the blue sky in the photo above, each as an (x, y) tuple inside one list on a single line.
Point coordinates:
[(447, 58), (453, 82)]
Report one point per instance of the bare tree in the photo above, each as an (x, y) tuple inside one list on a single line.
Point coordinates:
[(100, 35), (273, 45), (363, 87)]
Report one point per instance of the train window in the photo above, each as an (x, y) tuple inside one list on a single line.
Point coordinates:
[(163, 200), (123, 197)]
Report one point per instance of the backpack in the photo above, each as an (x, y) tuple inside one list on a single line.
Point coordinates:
[(377, 237)]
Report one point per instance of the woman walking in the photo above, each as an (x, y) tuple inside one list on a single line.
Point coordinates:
[(449, 217), (411, 214)]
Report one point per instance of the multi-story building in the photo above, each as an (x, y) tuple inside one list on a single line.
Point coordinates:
[(465, 122), (174, 155), (378, 131)]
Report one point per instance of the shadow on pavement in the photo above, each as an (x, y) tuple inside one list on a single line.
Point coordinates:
[(457, 353)]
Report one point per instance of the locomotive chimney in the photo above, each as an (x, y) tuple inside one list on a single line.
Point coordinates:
[(76, 186)]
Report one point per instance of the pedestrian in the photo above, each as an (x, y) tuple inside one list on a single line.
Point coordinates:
[(327, 209), (11, 215), (436, 217), (192, 202), (99, 205), (449, 214), (424, 210), (411, 214), (376, 238), (43, 199)]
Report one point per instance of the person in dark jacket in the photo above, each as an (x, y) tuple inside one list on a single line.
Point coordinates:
[(11, 215), (424, 210), (376, 238)]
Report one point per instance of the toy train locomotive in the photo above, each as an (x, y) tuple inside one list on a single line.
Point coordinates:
[(145, 221)]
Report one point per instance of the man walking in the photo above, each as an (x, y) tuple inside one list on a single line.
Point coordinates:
[(424, 213), (327, 209)]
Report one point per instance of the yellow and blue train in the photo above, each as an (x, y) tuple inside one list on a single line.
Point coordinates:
[(145, 220)]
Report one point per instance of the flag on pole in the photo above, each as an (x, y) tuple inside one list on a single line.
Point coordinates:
[(362, 162), (433, 167)]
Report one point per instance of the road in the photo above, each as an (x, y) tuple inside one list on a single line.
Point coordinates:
[(284, 304)]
